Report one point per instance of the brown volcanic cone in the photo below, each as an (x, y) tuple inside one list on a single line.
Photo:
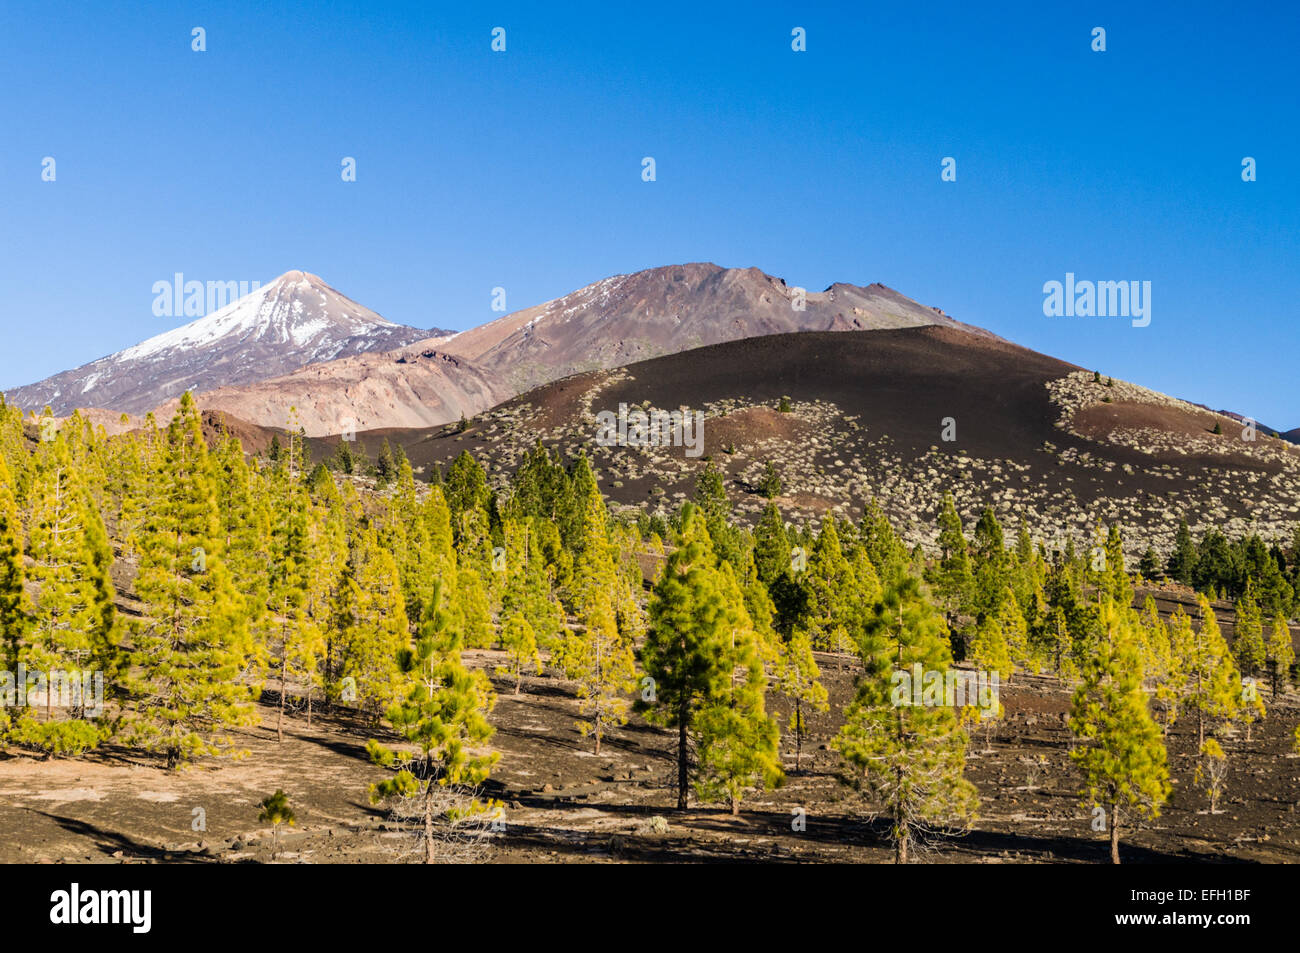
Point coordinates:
[(1036, 438), (660, 311)]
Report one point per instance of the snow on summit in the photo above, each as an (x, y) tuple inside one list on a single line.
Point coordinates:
[(296, 307), (291, 322)]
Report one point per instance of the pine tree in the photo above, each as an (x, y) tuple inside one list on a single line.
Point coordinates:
[(73, 624), (952, 578), (465, 486), (373, 611), (528, 591), (739, 742), (472, 605), (1154, 646), (13, 601), (299, 643), (990, 563), (521, 646), (830, 591), (1182, 562), (687, 647), (1250, 708), (1149, 565), (882, 545), (771, 545), (1281, 651), (245, 504), (385, 465), (191, 641), (597, 657), (999, 638), (1213, 683), (603, 666), (1115, 578), (911, 758), (1260, 565), (715, 508), (773, 560), (443, 715), (1175, 688), (276, 811), (438, 555), (1211, 771), (1120, 754), (798, 680), (1248, 638)]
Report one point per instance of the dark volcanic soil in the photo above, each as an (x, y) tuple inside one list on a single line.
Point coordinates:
[(1035, 438), (565, 804)]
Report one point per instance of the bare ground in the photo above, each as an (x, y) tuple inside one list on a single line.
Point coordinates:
[(566, 804)]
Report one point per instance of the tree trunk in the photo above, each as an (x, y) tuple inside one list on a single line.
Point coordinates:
[(428, 820), (1114, 833), (901, 845), (798, 733), (279, 718), (682, 755), (327, 680)]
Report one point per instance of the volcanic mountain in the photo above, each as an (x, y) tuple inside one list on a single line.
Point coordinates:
[(608, 324), (660, 311), (295, 320), (869, 415)]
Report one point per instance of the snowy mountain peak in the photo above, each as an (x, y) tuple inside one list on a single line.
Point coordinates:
[(295, 320), (296, 309)]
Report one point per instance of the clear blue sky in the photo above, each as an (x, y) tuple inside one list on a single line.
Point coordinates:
[(522, 169)]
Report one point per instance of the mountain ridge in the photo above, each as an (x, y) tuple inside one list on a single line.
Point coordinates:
[(292, 321), (610, 323)]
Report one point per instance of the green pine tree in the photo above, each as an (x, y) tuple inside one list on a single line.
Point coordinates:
[(909, 758), (687, 648), (1183, 560), (1248, 640), (1213, 683), (739, 743), (798, 680), (1120, 754), (442, 715), (276, 811), (952, 577), (371, 611), (521, 647), (191, 641), (14, 609), (73, 627), (830, 590), (1281, 653), (298, 639)]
